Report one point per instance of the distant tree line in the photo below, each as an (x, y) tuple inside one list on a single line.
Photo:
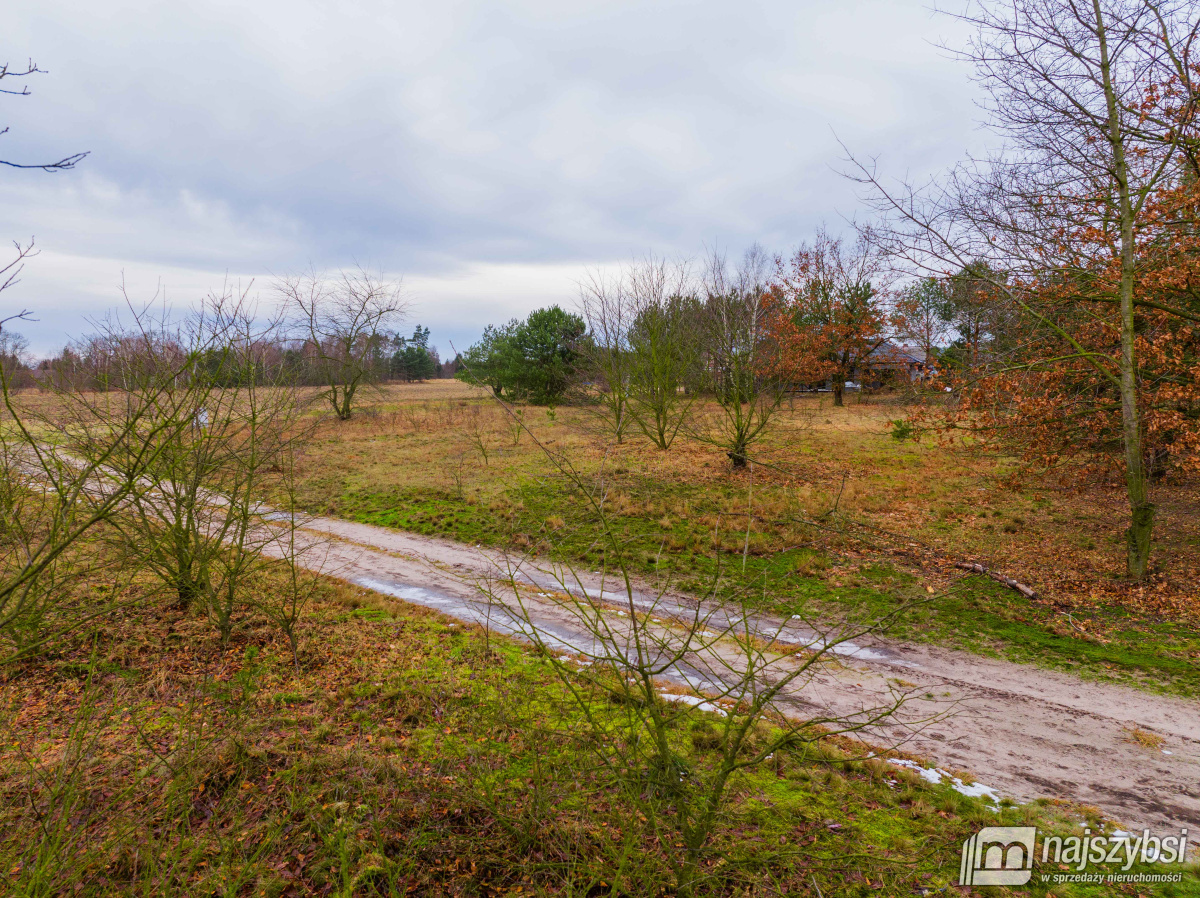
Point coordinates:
[(94, 364), (655, 329)]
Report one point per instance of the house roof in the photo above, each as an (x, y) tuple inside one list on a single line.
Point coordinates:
[(891, 353)]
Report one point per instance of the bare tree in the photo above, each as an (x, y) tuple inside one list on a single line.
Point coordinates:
[(640, 658), (605, 303), (663, 349), (47, 507), (67, 469), (257, 436), (740, 352), (342, 321), (23, 91), (166, 523), (1097, 104), (228, 430)]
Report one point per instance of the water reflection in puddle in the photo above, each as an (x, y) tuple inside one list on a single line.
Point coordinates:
[(493, 618)]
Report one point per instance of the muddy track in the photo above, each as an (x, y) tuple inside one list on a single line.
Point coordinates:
[(1023, 731)]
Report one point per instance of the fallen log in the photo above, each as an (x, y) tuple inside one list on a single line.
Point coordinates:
[(977, 568)]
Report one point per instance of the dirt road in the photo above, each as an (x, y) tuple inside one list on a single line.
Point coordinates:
[(1023, 731)]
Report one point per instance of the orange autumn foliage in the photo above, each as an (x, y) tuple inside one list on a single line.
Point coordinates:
[(1055, 404), (827, 312)]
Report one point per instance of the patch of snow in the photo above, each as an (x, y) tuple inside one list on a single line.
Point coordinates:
[(935, 775), (975, 790), (694, 701)]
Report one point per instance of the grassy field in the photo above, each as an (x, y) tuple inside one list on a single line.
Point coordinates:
[(836, 515), (408, 755)]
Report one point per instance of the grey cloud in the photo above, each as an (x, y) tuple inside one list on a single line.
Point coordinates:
[(261, 136)]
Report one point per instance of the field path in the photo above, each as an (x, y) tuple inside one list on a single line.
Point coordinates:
[(1024, 731)]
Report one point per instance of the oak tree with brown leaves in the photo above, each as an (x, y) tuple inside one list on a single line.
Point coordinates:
[(831, 312), (1083, 230)]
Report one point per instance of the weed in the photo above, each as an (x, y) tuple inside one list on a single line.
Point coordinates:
[(1141, 737), (902, 430)]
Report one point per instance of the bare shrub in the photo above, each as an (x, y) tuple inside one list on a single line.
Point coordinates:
[(342, 320), (631, 662)]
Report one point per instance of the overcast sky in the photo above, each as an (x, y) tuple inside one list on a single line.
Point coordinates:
[(487, 152)]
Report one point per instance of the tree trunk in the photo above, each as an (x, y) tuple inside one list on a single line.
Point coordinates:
[(346, 408), (839, 391), (1141, 510)]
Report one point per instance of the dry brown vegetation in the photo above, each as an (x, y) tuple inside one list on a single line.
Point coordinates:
[(926, 504)]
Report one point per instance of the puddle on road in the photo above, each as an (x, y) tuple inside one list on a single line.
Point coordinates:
[(562, 639), (807, 639), (852, 650), (496, 619), (419, 595)]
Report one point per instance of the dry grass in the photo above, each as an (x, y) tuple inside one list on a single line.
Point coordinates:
[(1065, 541), (1145, 739)]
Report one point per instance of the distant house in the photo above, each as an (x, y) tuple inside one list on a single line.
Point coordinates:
[(887, 363), (893, 362)]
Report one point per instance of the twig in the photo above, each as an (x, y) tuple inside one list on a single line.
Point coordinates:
[(838, 500), (974, 567)]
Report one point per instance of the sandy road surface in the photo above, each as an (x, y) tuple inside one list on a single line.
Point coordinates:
[(1025, 732)]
